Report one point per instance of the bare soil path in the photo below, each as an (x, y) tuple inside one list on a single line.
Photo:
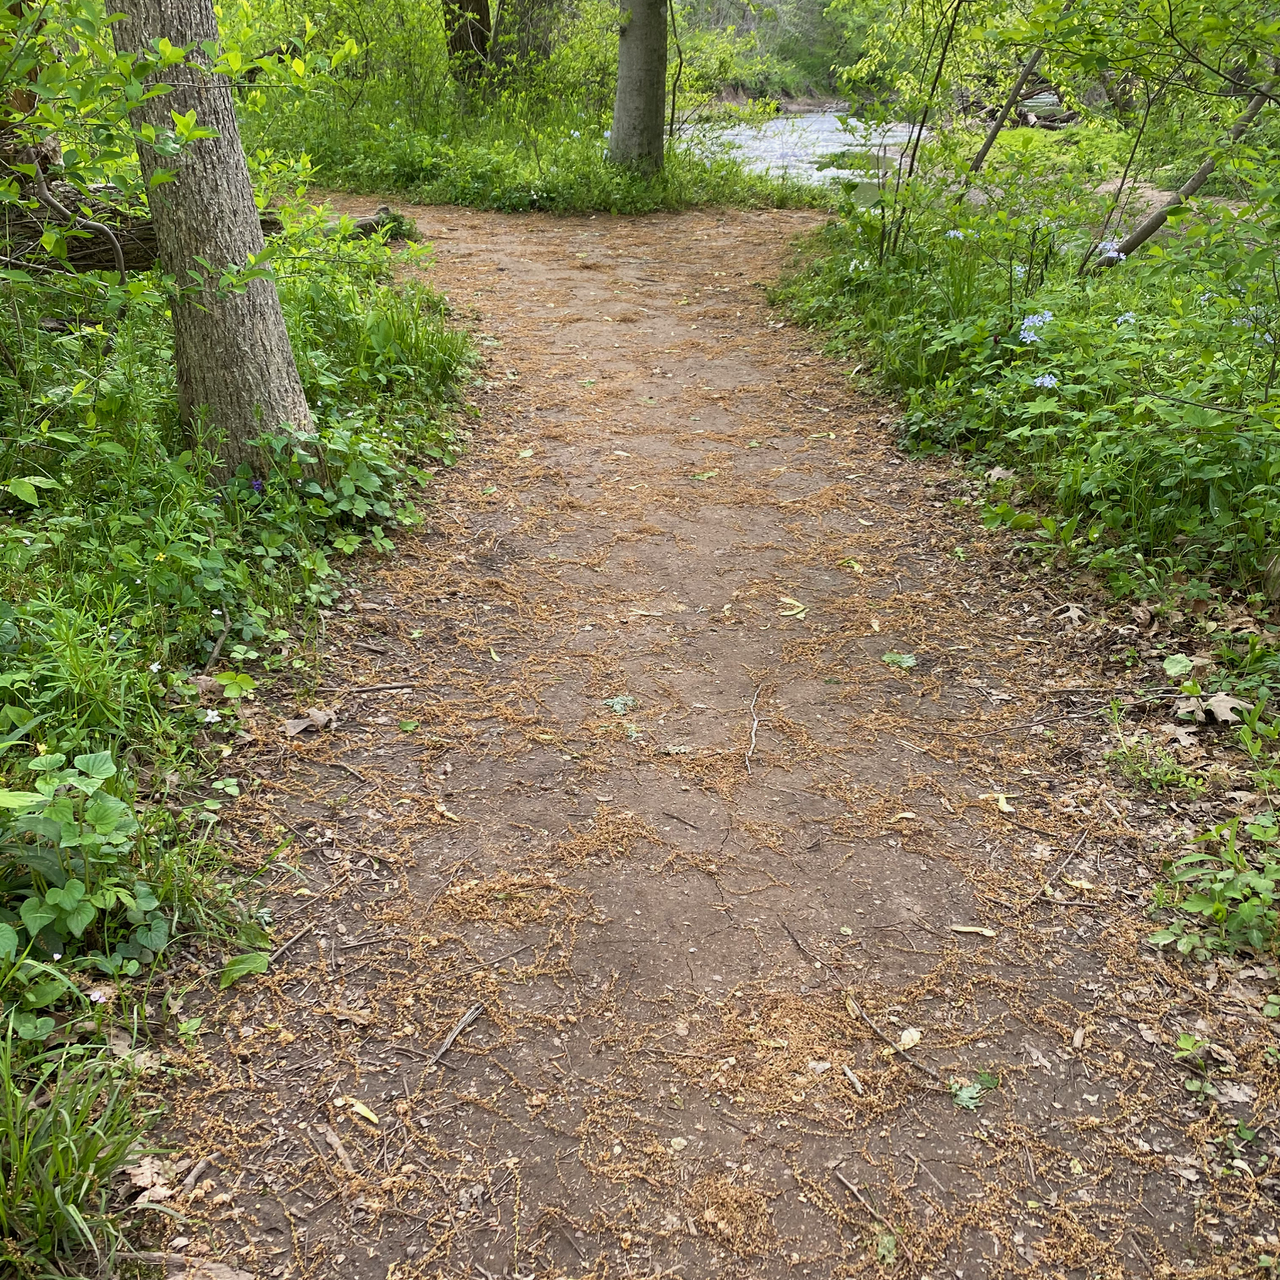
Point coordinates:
[(623, 787)]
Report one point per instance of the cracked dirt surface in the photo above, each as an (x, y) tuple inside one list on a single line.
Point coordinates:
[(621, 771)]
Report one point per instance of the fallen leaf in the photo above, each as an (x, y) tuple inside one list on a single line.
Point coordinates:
[(703, 475), (362, 1111), (909, 1038), (1151, 1037), (493, 654), (1183, 734), (359, 1017), (1224, 707), (312, 720), (1232, 1091), (1001, 473), (444, 813), (973, 928), (1177, 665), (678, 1144), (794, 608), (1002, 801)]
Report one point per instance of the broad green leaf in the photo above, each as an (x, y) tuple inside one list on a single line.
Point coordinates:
[(35, 915), (8, 942), (242, 966), (98, 765), (20, 799)]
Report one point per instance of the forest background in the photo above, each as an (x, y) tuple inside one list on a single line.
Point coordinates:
[(1120, 398)]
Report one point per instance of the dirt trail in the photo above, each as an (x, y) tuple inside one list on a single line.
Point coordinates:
[(621, 770)]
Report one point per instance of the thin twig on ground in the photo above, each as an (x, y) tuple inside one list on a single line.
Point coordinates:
[(861, 1199), (463, 1023), (755, 724)]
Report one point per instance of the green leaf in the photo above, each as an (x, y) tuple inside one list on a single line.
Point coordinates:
[(8, 942), (98, 765), (81, 918), (20, 799), (904, 660), (35, 915), (1177, 665), (242, 966)]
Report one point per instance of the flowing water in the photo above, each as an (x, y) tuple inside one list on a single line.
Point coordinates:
[(796, 145)]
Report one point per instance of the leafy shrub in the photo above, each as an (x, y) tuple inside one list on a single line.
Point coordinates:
[(1137, 399)]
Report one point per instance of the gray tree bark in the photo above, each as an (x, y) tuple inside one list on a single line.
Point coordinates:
[(235, 366), (639, 106)]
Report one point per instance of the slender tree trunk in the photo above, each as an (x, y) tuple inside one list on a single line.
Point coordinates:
[(1141, 234), (235, 366), (1028, 69), (636, 140), (470, 27)]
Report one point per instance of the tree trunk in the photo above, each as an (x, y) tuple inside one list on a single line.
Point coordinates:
[(1138, 237), (235, 366), (469, 29), (638, 109), (1010, 102)]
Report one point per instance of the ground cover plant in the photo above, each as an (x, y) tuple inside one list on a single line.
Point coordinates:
[(147, 589)]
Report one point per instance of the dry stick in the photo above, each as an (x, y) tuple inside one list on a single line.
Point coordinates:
[(1056, 872), (897, 1048), (1137, 238), (802, 948), (858, 1196), (755, 724), (217, 648), (487, 964), (297, 937), (463, 1023)]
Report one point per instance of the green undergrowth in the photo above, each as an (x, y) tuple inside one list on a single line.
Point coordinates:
[(145, 594), (1136, 406), (550, 167), (525, 128)]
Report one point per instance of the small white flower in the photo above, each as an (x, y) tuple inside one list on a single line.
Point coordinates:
[(57, 955), (211, 716), (1045, 380), (956, 234), (155, 666), (217, 613), (97, 997)]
